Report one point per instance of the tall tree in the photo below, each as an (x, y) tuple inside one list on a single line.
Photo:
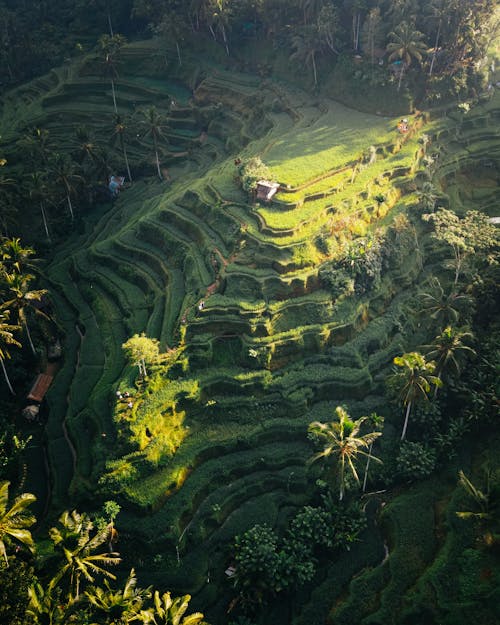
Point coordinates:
[(21, 299), (110, 49), (38, 145), (329, 28), (38, 191), (170, 611), (118, 606), (341, 440), (65, 174), (15, 520), (413, 381), (141, 350), (447, 348), (406, 45), (372, 34), (120, 131), (438, 13), (443, 307), (473, 239), (6, 340), (306, 46), (8, 204), (377, 422), (154, 124), (78, 542), (45, 607), (15, 257)]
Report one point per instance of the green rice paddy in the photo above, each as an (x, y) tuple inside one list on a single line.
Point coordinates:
[(270, 351)]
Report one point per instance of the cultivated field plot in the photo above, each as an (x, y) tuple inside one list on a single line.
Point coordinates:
[(217, 442)]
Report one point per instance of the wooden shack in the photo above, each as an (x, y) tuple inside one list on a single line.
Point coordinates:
[(40, 387), (265, 190)]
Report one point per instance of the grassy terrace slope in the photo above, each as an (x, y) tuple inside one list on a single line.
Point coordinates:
[(271, 350)]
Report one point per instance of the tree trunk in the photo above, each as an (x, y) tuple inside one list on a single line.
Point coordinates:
[(157, 158), (314, 70), (223, 30), (436, 388), (8, 384), (144, 367), (114, 96), (158, 165), (365, 479), (436, 43), (44, 218), (110, 24), (401, 75), (358, 26), (70, 205), (341, 489), (28, 334), (408, 408), (122, 141), (178, 52)]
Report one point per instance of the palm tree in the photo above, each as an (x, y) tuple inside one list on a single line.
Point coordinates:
[(37, 143), (406, 45), (64, 171), (219, 17), (380, 199), (447, 346), (427, 196), (38, 192), (120, 132), (168, 611), (306, 46), (443, 307), (341, 440), (438, 12), (8, 206), (14, 256), (120, 605), (45, 607), (14, 521), (172, 28), (154, 124), (110, 48), (85, 145), (414, 380), (377, 422), (482, 498), (7, 339), (78, 546), (22, 299)]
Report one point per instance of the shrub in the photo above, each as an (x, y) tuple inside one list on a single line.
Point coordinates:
[(415, 460), (251, 171)]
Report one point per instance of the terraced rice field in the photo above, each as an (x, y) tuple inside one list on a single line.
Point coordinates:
[(271, 350)]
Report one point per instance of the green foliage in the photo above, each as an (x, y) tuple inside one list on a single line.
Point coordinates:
[(142, 350), (14, 583), (471, 238), (251, 171), (415, 460), (14, 521)]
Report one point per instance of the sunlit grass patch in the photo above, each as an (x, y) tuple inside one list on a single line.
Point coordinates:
[(327, 144)]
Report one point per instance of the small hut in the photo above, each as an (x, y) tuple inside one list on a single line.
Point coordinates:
[(115, 184), (40, 387), (265, 190)]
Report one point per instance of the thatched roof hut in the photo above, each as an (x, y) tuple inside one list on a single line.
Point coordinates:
[(265, 190)]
